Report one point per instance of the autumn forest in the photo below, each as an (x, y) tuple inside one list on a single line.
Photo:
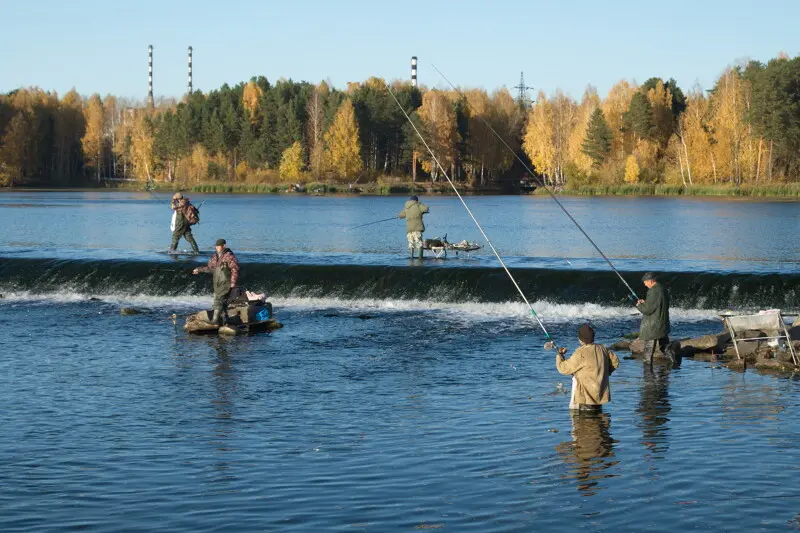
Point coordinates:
[(744, 131)]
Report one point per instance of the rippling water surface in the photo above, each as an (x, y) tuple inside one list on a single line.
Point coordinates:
[(382, 413)]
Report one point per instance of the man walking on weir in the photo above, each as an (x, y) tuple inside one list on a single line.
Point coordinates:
[(655, 320), (225, 268), (184, 217), (412, 212)]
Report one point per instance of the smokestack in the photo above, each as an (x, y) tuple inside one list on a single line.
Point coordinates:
[(413, 71), (190, 70), (150, 101)]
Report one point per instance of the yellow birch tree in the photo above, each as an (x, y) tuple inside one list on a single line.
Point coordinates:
[(538, 140), (292, 162), (251, 98), (92, 140), (696, 139), (439, 120), (727, 123), (343, 147), (142, 146), (631, 170), (614, 107)]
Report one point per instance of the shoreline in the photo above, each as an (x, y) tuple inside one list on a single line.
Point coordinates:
[(775, 191)]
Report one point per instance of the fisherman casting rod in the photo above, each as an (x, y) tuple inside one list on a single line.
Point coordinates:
[(550, 342), (546, 188)]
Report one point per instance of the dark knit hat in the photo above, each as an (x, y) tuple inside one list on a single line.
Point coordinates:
[(586, 334), (414, 198), (649, 276), (221, 242)]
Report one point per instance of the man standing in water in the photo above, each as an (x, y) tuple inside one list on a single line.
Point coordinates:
[(225, 268), (412, 212), (183, 226), (655, 320), (590, 367)]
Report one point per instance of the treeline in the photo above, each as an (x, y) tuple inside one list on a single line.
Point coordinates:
[(744, 130)]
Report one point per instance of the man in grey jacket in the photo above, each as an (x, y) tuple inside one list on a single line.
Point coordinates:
[(655, 320), (412, 212)]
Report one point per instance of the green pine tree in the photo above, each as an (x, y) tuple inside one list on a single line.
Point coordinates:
[(638, 119), (597, 144)]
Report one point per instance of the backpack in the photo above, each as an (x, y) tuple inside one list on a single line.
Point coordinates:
[(192, 214)]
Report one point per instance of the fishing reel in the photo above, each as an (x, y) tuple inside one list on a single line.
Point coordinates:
[(551, 345)]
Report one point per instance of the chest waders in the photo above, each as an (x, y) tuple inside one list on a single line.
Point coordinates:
[(222, 288)]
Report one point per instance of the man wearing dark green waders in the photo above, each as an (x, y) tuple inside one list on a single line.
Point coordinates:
[(185, 216), (412, 212), (225, 268), (655, 320)]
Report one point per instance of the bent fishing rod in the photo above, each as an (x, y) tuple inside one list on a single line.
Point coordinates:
[(546, 188), (550, 342)]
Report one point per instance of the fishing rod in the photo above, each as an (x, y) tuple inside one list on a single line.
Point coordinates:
[(546, 188), (550, 342), (371, 223)]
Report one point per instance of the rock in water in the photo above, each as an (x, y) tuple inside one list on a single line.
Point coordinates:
[(129, 311), (620, 346), (706, 342)]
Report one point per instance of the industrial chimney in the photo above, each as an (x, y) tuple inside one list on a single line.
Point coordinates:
[(190, 70), (150, 101), (413, 71)]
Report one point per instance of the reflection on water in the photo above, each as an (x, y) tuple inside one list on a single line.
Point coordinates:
[(590, 454), (654, 407), (224, 385), (222, 400)]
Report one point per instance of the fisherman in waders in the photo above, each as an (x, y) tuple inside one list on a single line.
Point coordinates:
[(413, 212), (655, 321), (590, 367), (185, 216), (225, 268)]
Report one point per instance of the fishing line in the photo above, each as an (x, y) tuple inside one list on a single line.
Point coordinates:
[(550, 342), (546, 188), (371, 223)]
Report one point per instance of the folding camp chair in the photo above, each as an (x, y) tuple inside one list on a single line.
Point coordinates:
[(766, 321)]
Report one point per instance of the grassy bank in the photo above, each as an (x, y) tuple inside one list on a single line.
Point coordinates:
[(395, 186), (371, 189), (640, 189)]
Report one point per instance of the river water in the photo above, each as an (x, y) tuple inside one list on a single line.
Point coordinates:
[(400, 395)]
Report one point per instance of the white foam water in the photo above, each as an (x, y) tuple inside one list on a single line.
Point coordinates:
[(457, 311)]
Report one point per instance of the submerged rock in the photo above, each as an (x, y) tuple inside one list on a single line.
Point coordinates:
[(620, 346), (129, 311)]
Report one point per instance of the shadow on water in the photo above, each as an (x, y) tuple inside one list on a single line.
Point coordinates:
[(654, 406), (590, 453)]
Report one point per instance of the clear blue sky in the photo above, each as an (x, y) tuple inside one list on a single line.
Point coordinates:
[(102, 46)]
